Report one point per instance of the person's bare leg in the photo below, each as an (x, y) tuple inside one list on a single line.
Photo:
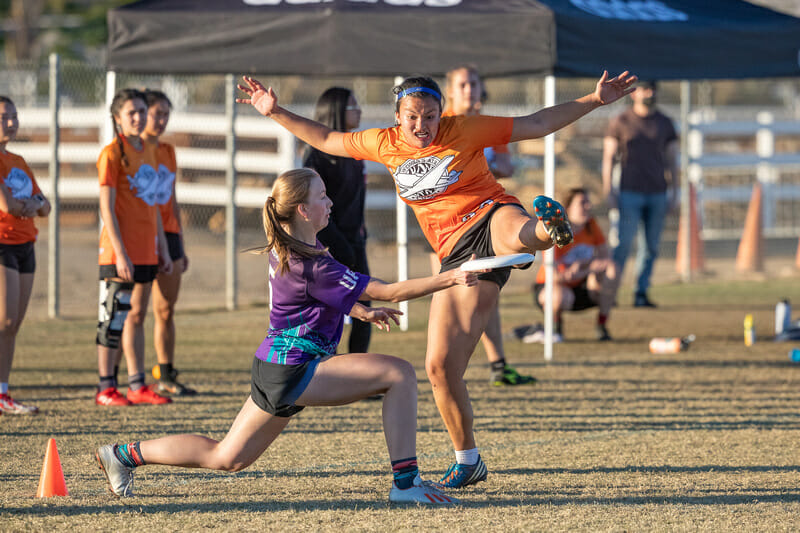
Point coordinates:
[(252, 432), (165, 295), (348, 378), (133, 330), (492, 338), (9, 311), (457, 318), (515, 231)]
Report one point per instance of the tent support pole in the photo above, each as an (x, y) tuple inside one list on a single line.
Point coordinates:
[(685, 225), (549, 190), (401, 221), (230, 183)]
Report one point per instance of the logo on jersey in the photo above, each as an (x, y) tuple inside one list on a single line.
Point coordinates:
[(151, 185), (421, 179), (19, 183), (349, 280)]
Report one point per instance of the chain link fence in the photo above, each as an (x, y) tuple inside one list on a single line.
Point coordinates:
[(196, 132)]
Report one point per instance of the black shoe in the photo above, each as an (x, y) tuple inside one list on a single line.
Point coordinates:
[(602, 333), (641, 300), (170, 385)]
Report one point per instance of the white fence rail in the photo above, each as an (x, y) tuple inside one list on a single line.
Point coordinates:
[(767, 165)]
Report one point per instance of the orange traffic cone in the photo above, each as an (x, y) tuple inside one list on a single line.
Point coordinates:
[(749, 255), (696, 250), (51, 482)]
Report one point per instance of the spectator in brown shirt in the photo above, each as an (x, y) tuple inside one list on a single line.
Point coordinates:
[(644, 143)]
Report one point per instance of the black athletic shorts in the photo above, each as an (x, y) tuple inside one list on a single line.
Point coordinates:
[(175, 245), (275, 388), (478, 240), (583, 299), (19, 257), (141, 273)]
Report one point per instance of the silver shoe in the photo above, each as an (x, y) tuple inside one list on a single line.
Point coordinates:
[(119, 476)]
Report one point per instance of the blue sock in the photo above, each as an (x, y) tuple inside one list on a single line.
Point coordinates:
[(405, 470)]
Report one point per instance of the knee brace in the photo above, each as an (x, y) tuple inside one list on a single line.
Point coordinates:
[(114, 304)]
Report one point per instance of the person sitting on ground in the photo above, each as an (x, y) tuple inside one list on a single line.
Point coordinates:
[(584, 271)]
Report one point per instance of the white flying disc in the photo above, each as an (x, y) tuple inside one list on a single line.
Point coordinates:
[(497, 261)]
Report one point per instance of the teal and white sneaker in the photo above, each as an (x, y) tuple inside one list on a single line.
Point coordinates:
[(420, 491), (459, 476), (119, 476), (554, 217)]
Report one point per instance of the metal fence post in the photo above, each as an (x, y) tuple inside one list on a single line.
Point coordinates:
[(53, 264), (230, 204)]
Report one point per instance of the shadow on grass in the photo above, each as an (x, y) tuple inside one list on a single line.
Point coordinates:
[(139, 505)]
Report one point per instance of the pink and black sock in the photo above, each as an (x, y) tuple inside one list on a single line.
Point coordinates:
[(405, 470)]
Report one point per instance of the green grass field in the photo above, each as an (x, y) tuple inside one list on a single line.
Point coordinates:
[(611, 438)]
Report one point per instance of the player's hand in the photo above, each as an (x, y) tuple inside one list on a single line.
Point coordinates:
[(611, 90), (263, 99), (185, 263), (383, 317), (165, 264), (467, 279), (124, 268)]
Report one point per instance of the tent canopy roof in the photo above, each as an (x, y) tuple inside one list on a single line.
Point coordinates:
[(657, 39)]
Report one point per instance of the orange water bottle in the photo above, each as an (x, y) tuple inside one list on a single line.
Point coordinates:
[(660, 345)]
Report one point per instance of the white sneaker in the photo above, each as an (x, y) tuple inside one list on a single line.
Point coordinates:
[(119, 476), (538, 336), (423, 492)]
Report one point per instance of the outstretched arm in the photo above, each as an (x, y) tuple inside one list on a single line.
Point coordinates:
[(415, 288), (313, 133), (554, 118)]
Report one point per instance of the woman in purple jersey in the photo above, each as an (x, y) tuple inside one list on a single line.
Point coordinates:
[(296, 365)]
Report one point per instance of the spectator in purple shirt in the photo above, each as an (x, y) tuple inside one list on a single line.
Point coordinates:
[(296, 365)]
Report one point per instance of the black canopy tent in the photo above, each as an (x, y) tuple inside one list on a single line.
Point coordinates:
[(659, 39), (334, 37)]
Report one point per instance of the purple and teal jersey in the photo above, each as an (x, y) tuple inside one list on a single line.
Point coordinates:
[(309, 302)]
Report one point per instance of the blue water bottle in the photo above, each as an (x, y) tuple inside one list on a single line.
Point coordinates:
[(794, 355)]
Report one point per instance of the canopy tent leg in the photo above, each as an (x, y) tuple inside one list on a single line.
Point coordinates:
[(549, 190)]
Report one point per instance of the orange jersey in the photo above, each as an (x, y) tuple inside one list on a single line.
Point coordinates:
[(448, 184), (135, 204), (17, 176), (499, 149), (582, 248), (166, 167)]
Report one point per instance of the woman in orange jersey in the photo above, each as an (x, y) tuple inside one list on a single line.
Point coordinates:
[(20, 201), (584, 273), (132, 249), (440, 170), (167, 285)]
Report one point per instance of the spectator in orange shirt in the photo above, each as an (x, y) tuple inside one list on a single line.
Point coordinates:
[(20, 201), (132, 250), (166, 285), (584, 270)]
